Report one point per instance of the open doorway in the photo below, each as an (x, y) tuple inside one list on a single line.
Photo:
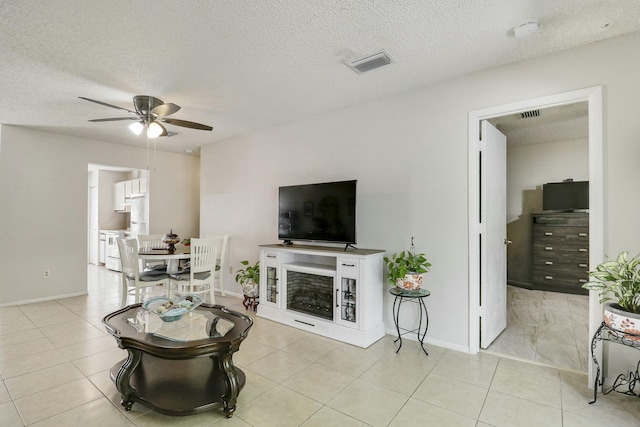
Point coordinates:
[(593, 98), (111, 195), (547, 309)]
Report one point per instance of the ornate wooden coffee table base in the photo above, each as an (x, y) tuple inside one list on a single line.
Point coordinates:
[(177, 387), (181, 367)]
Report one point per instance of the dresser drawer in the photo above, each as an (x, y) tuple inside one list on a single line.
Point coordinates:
[(577, 235), (544, 233), (560, 278), (564, 263), (540, 248), (571, 219)]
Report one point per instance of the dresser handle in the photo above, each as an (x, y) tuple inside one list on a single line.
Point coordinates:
[(348, 265), (583, 265), (548, 262), (271, 256), (582, 250), (548, 233), (582, 234), (582, 281), (548, 248), (548, 277)]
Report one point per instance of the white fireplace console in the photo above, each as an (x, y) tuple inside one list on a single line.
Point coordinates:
[(324, 290)]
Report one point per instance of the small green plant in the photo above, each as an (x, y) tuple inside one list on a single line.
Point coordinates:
[(398, 265), (249, 273), (618, 281)]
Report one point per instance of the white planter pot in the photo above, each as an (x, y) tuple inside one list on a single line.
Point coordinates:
[(410, 282), (623, 321), (250, 289)]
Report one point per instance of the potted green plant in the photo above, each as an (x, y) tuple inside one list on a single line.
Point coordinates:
[(406, 269), (248, 278), (619, 284)]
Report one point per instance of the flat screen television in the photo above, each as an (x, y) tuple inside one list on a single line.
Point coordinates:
[(565, 196), (323, 212)]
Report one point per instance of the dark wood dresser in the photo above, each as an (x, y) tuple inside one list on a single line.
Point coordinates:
[(560, 251)]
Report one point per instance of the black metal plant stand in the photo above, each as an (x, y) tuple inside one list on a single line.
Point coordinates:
[(624, 383), (417, 296)]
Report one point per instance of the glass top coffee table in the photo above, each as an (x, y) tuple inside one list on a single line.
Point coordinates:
[(180, 367)]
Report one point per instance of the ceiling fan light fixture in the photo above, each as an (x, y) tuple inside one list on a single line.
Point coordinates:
[(154, 130), (136, 127)]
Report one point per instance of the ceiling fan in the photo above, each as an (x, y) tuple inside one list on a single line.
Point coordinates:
[(149, 112)]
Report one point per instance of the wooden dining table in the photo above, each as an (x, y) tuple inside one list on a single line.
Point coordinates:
[(162, 254)]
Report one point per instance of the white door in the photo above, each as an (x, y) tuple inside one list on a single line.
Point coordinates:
[(493, 248), (94, 235)]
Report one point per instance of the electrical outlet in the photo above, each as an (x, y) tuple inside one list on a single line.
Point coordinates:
[(46, 274)]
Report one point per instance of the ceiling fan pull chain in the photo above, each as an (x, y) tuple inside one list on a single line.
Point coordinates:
[(147, 154)]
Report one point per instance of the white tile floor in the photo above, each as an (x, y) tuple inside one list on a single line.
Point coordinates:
[(55, 357), (546, 327)]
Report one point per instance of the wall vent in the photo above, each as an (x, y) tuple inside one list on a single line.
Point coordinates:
[(370, 62), (529, 114)]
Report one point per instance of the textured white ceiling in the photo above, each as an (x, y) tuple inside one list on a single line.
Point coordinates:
[(241, 66), (553, 124)]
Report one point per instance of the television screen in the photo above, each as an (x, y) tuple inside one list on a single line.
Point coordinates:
[(323, 212), (565, 196)]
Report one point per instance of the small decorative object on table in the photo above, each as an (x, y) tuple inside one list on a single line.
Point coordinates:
[(171, 239), (248, 278), (405, 269), (170, 310), (187, 241)]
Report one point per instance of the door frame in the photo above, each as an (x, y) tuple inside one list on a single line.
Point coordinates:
[(593, 97)]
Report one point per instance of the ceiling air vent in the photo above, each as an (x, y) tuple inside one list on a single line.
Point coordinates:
[(529, 114), (370, 62)]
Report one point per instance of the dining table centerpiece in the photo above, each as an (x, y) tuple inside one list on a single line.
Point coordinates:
[(171, 239)]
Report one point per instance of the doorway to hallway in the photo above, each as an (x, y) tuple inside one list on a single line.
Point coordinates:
[(593, 96)]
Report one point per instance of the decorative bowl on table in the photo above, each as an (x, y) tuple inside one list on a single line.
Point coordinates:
[(171, 239), (170, 310)]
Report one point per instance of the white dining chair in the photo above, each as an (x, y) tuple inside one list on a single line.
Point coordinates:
[(199, 277), (134, 280), (222, 262), (152, 241)]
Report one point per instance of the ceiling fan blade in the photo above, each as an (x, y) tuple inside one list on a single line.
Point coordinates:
[(186, 124), (113, 119), (106, 105), (165, 109)]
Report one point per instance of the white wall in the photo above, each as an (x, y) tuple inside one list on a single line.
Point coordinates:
[(107, 218), (43, 209), (409, 155)]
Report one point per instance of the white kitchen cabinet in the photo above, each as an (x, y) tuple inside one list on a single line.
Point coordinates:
[(324, 290), (142, 184), (102, 250), (127, 189), (123, 190), (118, 197)]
